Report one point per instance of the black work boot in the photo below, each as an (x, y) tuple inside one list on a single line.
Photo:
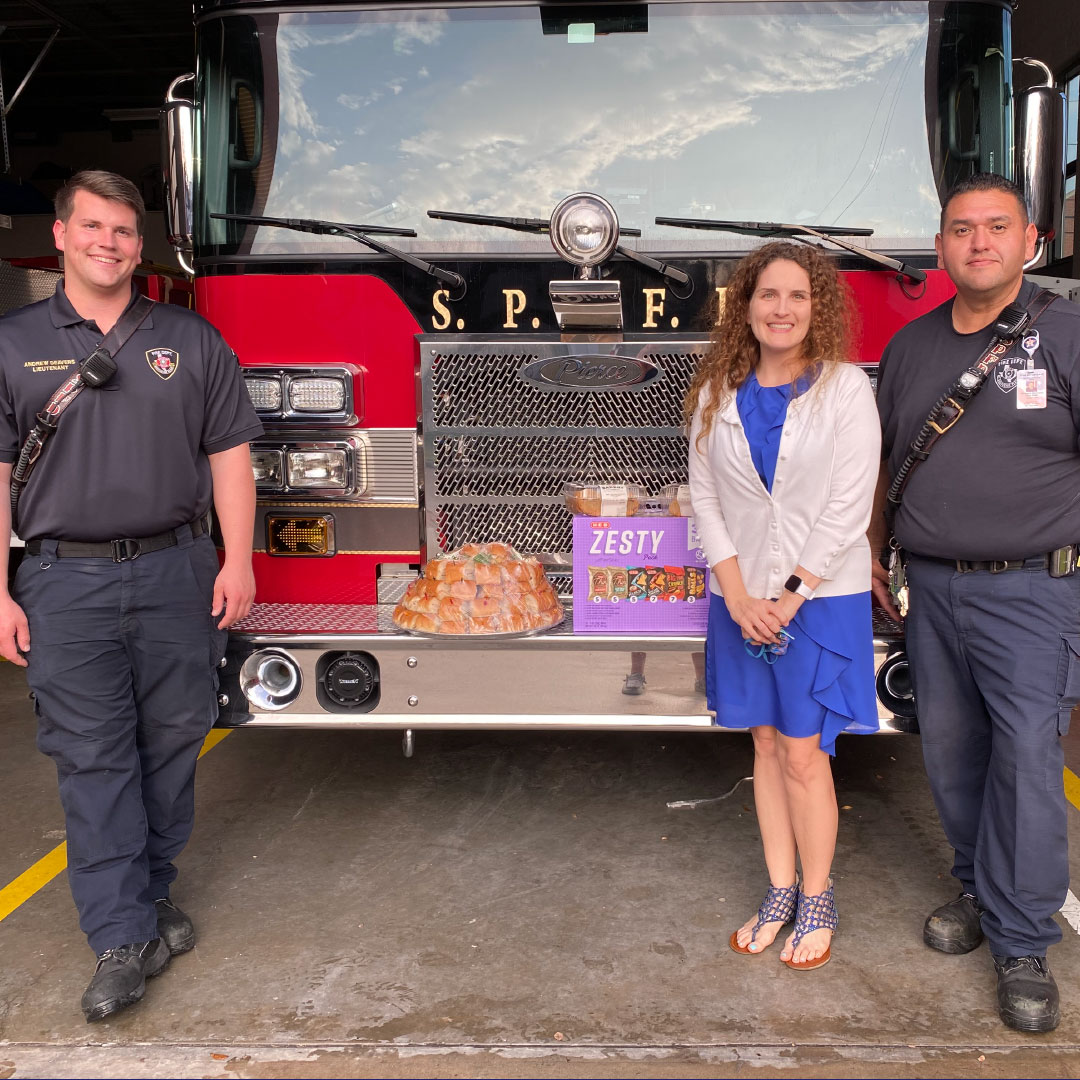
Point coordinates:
[(1027, 994), (120, 977), (174, 927), (955, 927)]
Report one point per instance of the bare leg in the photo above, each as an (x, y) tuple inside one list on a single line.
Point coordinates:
[(811, 797), (637, 663), (777, 834)]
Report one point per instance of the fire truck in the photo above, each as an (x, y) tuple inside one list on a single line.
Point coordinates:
[(469, 252)]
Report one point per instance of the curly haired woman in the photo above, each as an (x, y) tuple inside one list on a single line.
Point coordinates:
[(784, 451)]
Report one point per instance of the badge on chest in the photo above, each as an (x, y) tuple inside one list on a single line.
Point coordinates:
[(163, 362), (1031, 389)]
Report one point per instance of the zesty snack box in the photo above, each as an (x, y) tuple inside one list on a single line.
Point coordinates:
[(639, 574)]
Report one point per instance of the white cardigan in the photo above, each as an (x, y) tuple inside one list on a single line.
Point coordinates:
[(822, 496)]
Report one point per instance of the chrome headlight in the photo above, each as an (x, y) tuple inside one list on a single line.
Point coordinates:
[(267, 465), (316, 395), (317, 469), (584, 229), (265, 393), (319, 395), (327, 468)]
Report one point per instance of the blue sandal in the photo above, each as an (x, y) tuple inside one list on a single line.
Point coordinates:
[(779, 906), (815, 913)]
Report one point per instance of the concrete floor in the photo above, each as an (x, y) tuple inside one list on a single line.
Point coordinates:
[(510, 904)]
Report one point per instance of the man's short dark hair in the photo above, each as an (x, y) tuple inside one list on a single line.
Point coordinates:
[(105, 185), (985, 181)]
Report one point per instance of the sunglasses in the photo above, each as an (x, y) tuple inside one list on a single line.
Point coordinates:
[(769, 651)]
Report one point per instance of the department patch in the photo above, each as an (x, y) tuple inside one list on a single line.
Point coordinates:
[(163, 362), (1005, 372)]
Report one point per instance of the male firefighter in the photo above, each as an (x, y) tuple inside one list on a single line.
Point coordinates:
[(120, 607), (990, 521)]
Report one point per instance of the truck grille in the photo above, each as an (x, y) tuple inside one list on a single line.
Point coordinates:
[(497, 448)]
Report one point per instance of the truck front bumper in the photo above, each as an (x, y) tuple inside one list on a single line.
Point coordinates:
[(546, 681)]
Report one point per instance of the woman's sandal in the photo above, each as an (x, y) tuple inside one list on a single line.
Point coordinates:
[(779, 906), (815, 913)]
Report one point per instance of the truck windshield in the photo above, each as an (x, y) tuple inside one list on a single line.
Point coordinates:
[(855, 113)]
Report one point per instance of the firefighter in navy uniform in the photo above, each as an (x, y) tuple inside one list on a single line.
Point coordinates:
[(120, 607), (991, 521)]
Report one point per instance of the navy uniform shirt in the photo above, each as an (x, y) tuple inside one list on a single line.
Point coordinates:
[(1004, 483), (128, 459)]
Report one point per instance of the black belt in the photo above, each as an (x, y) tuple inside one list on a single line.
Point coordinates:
[(120, 550), (1061, 562)]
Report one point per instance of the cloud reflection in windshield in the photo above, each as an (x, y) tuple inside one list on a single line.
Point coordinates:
[(816, 116)]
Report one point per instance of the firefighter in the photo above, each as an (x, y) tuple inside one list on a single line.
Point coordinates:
[(990, 520), (120, 608)]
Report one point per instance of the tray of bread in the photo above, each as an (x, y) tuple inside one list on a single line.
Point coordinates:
[(480, 589)]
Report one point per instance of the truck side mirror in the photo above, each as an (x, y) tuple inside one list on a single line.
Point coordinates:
[(1040, 151), (177, 145)]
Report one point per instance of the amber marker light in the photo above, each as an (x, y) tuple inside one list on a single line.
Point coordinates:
[(289, 535)]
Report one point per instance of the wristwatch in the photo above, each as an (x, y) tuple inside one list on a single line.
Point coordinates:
[(796, 584)]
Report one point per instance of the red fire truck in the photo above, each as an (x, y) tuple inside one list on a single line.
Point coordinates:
[(469, 252)]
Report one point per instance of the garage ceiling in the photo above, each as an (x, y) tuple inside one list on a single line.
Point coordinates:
[(110, 63)]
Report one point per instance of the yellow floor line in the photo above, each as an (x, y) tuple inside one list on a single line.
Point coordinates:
[(30, 881), (1072, 787), (49, 866)]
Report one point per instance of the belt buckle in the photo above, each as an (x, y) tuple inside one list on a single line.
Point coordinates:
[(1062, 561), (942, 428), (998, 566), (125, 550)]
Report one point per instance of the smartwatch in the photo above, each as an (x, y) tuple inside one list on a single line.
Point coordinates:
[(796, 585)]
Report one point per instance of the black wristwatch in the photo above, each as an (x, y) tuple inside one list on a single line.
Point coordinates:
[(796, 584)]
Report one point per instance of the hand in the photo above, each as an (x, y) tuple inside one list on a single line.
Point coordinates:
[(234, 590), (757, 618), (14, 632), (786, 606), (879, 586)]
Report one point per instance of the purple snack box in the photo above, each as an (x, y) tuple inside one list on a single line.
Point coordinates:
[(636, 542)]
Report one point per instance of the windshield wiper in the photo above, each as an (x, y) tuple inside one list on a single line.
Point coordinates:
[(542, 225), (829, 233), (359, 233)]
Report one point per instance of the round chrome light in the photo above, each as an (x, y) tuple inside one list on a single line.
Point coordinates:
[(584, 229), (894, 687), (270, 680)]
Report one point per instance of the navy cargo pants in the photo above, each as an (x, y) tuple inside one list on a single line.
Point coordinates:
[(995, 660), (123, 665)]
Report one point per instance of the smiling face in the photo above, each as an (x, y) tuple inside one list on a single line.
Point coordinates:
[(984, 243), (779, 310), (101, 246)]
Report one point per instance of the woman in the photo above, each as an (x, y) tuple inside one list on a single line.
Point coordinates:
[(784, 453)]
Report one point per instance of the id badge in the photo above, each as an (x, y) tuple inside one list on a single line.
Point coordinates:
[(1031, 389)]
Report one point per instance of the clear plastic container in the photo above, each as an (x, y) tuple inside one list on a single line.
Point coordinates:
[(603, 500), (676, 500)]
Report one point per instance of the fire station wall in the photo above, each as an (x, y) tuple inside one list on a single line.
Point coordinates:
[(132, 153)]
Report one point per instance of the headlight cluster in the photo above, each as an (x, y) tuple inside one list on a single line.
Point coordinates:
[(328, 468), (300, 393)]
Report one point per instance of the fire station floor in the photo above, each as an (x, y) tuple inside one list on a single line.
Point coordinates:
[(508, 905)]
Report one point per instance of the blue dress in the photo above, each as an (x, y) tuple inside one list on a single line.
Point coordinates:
[(824, 683)]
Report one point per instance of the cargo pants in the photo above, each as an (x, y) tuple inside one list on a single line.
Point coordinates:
[(995, 662), (123, 667)]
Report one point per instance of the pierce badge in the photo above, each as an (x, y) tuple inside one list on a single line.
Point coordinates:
[(163, 362)]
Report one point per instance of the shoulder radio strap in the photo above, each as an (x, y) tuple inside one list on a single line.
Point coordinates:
[(1010, 325), (96, 370)]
